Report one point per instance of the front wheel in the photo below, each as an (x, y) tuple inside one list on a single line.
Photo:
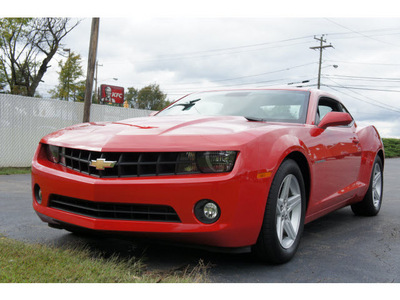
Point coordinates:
[(371, 204), (284, 215)]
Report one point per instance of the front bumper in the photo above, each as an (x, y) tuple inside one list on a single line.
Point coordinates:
[(239, 194)]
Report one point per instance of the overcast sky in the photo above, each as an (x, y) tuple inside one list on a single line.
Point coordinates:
[(185, 49)]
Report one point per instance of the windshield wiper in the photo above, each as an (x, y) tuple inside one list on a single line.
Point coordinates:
[(255, 119), (187, 105)]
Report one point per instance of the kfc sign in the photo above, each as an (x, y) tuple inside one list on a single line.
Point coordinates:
[(111, 94)]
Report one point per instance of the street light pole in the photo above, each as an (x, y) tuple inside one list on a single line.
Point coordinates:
[(96, 94)]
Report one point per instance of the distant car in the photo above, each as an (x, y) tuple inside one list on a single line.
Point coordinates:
[(242, 169)]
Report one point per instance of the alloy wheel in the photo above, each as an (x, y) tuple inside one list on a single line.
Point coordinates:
[(377, 186), (288, 211)]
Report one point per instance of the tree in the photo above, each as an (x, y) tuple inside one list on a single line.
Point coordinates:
[(79, 92), (68, 78), (132, 96), (151, 97), (3, 82), (27, 46)]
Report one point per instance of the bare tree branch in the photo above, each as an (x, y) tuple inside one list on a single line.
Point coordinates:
[(24, 41)]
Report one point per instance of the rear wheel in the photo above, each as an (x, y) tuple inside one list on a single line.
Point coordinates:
[(371, 204), (284, 215)]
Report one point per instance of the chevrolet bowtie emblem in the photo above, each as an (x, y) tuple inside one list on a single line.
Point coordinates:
[(101, 164)]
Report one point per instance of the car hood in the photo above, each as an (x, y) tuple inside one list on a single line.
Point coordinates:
[(169, 133)]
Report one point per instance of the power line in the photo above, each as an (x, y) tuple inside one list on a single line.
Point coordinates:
[(279, 81), (255, 75), (209, 55), (366, 78), (363, 100), (182, 57), (358, 36), (369, 87), (246, 76), (362, 63), (274, 42), (375, 102), (186, 55), (239, 47), (358, 32), (366, 31), (362, 88)]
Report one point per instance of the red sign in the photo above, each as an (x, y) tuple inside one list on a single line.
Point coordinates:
[(110, 94)]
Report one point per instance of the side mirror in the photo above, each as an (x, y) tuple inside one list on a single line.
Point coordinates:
[(334, 118)]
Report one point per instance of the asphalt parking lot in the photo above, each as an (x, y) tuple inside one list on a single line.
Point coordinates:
[(339, 247)]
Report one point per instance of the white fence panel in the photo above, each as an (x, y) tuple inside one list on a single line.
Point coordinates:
[(25, 120)]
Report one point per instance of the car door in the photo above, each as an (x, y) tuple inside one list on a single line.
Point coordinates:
[(338, 160)]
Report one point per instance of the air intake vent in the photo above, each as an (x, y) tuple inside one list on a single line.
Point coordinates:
[(115, 211)]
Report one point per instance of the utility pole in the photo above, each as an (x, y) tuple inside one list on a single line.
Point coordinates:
[(320, 47), (94, 36)]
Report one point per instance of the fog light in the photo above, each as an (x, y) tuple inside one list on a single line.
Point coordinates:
[(207, 211), (210, 210), (38, 194)]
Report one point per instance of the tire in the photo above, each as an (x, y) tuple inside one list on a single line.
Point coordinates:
[(284, 216), (372, 202)]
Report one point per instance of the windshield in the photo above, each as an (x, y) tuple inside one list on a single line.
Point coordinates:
[(255, 105)]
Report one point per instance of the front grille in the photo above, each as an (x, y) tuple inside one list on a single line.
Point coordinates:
[(129, 164), (115, 211)]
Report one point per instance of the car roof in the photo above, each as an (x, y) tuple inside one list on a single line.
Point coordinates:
[(316, 92)]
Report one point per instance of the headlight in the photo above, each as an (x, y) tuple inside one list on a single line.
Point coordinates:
[(206, 162), (186, 162), (216, 161), (53, 153)]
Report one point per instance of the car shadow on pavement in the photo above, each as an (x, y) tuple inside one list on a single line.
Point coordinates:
[(323, 240)]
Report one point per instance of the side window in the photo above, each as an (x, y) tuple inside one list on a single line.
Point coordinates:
[(326, 105), (323, 110)]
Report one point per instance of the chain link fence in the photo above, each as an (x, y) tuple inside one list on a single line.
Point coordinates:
[(25, 120)]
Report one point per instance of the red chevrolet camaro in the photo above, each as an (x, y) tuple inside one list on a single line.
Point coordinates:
[(231, 169)]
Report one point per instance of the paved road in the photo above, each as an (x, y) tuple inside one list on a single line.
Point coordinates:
[(339, 247)]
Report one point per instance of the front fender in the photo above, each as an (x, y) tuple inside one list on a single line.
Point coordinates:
[(273, 151), (273, 156)]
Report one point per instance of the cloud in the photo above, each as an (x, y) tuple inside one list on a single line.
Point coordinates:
[(187, 54)]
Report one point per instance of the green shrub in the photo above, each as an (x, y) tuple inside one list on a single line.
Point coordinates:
[(392, 147)]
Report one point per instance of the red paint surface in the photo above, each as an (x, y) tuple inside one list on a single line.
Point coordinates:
[(339, 163)]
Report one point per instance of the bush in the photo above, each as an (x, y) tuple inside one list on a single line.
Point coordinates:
[(392, 147)]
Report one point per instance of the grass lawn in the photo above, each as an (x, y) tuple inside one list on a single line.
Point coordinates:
[(11, 171), (31, 263)]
